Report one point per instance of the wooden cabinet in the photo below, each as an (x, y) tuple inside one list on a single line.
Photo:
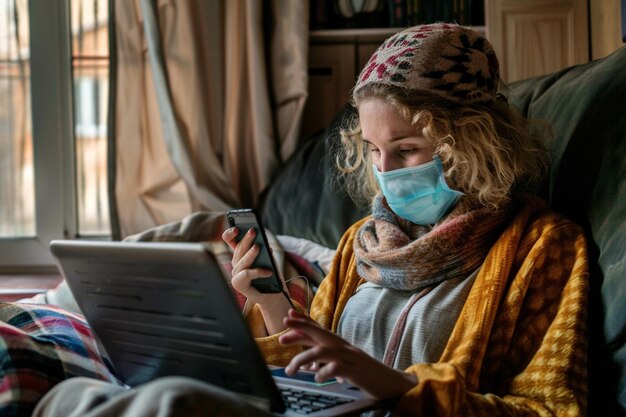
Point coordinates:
[(335, 61), (331, 75), (535, 37)]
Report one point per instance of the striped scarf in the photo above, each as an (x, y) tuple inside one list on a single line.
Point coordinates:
[(395, 253)]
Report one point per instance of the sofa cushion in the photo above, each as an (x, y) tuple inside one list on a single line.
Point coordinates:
[(585, 105)]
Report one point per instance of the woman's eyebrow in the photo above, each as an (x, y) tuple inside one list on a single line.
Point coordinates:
[(400, 137), (397, 138)]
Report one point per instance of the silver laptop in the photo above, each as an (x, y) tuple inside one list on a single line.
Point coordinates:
[(161, 309)]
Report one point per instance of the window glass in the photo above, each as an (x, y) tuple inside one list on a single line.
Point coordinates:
[(90, 68), (17, 192)]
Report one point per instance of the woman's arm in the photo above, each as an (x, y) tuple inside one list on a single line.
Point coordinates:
[(332, 357), (326, 308)]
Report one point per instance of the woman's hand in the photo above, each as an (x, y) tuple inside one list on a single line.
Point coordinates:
[(332, 357), (273, 306)]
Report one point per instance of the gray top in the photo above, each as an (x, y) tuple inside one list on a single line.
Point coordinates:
[(373, 311)]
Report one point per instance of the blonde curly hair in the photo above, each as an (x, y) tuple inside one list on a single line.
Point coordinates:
[(487, 150)]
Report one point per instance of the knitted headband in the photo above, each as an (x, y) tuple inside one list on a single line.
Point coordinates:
[(454, 62)]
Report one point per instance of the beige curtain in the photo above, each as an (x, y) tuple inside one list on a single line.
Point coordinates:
[(208, 103)]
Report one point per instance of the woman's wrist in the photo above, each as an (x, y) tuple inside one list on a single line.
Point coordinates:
[(408, 382), (404, 382), (273, 313)]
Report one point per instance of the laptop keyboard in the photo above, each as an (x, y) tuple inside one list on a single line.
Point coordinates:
[(305, 402)]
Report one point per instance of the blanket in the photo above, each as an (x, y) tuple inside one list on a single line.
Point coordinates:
[(40, 346)]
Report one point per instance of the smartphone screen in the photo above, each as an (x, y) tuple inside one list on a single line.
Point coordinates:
[(244, 220)]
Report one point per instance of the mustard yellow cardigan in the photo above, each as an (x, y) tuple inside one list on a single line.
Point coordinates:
[(519, 346)]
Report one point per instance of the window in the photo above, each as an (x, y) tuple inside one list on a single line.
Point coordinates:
[(53, 117)]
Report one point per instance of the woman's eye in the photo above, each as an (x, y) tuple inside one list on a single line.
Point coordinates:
[(409, 151)]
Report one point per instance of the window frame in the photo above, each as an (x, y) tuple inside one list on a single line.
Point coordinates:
[(53, 140)]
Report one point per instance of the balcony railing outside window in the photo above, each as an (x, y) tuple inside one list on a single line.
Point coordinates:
[(90, 72), (90, 68)]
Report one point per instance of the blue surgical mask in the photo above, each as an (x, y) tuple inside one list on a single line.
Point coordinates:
[(418, 194)]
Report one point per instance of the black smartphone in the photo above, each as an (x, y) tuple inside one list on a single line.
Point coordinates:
[(245, 219)]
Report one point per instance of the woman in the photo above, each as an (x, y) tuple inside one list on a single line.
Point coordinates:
[(460, 295)]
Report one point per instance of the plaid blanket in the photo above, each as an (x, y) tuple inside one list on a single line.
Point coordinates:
[(40, 346)]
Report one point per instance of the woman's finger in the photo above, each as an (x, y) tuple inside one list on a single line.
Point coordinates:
[(296, 314), (307, 332), (245, 260), (242, 281), (332, 369), (295, 337), (229, 236), (244, 245), (308, 358), (311, 367), (313, 330)]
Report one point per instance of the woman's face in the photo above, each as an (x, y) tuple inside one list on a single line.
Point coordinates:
[(392, 141)]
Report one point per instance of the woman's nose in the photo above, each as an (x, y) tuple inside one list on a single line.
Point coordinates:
[(385, 163)]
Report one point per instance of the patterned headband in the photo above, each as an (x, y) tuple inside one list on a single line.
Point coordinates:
[(454, 62)]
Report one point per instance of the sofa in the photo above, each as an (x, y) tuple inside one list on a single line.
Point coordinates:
[(307, 212)]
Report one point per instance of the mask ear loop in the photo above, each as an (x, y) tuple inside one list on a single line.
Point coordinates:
[(442, 177)]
